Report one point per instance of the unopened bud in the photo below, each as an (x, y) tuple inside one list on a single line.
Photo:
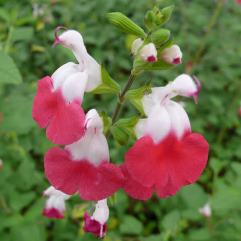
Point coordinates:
[(136, 45), (149, 53), (172, 55), (160, 36), (1, 164)]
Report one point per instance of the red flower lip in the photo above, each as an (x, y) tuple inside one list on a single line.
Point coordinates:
[(64, 122), (94, 227), (164, 167), (80, 176)]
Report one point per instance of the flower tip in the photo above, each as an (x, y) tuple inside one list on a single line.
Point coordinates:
[(151, 59), (199, 87), (177, 60), (56, 36)]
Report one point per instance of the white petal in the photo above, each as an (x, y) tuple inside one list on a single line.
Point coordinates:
[(93, 146), (184, 85), (158, 123), (94, 73), (62, 73), (74, 86), (140, 128), (136, 45), (156, 97), (101, 213), (206, 210), (179, 119), (51, 191)]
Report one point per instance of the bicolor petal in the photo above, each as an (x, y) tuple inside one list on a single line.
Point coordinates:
[(149, 53), (64, 122)]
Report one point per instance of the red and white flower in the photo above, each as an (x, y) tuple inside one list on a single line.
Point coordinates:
[(97, 223), (167, 155), (55, 203), (83, 167), (172, 55)]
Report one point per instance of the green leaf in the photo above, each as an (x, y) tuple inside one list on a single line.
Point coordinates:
[(9, 73), (123, 129), (131, 225), (16, 112), (171, 220), (106, 121), (22, 34), (135, 96), (125, 24), (108, 85)]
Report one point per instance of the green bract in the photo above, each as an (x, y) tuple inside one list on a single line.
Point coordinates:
[(125, 24)]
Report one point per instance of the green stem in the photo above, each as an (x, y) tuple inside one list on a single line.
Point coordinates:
[(8, 40), (211, 24), (122, 99), (223, 131)]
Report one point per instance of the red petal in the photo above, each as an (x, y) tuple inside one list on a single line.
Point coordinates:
[(135, 189), (169, 165), (53, 213), (64, 121), (92, 183)]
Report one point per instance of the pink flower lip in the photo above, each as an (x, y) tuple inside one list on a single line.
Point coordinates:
[(56, 37), (53, 213), (94, 227), (151, 59), (199, 87), (177, 60)]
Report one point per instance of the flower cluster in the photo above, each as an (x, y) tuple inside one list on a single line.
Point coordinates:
[(166, 154)]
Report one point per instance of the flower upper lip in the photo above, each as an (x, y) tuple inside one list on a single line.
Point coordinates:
[(56, 37)]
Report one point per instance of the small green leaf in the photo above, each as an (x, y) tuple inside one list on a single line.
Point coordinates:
[(131, 225), (123, 129), (9, 73), (106, 121), (125, 24), (135, 96), (108, 85)]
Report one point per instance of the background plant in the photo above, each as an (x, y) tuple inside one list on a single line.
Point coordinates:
[(27, 35)]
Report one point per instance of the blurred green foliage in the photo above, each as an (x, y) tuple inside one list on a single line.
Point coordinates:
[(26, 35)]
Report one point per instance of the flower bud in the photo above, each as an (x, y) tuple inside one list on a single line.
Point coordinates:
[(136, 45), (172, 55), (160, 36), (206, 210), (1, 164), (149, 53)]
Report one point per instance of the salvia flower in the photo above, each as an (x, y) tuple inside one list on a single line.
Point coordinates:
[(57, 103), (172, 55), (83, 167), (206, 210), (149, 53), (97, 223), (167, 155), (55, 203)]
